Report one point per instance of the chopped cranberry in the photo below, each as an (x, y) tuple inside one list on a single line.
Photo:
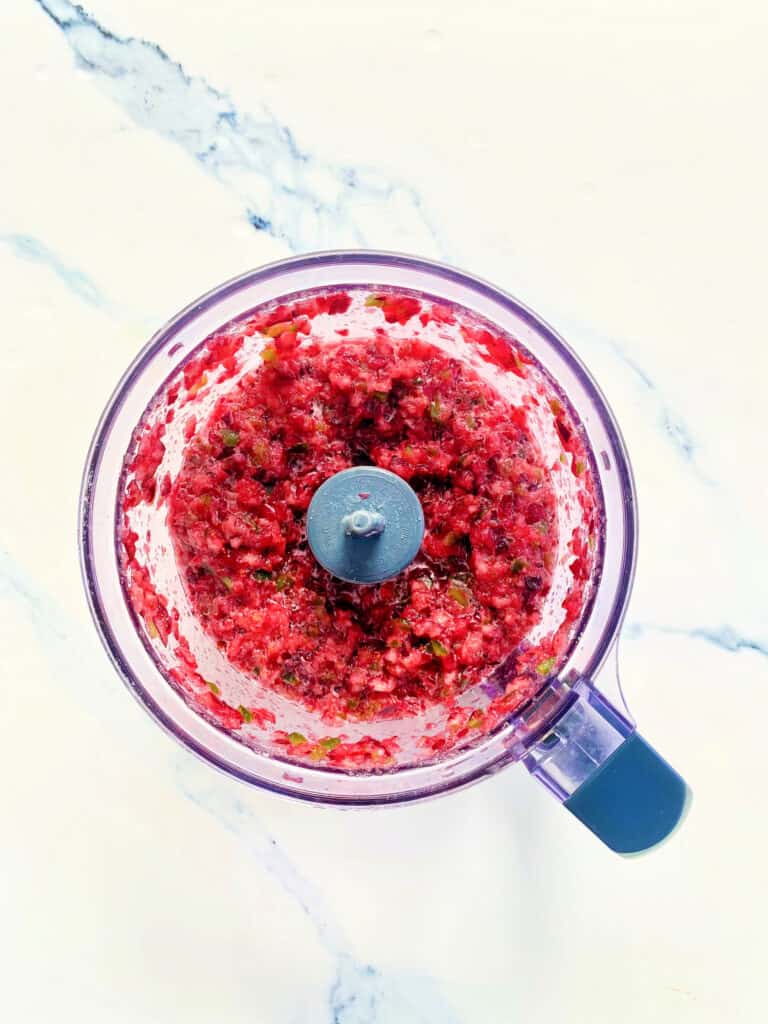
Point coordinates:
[(300, 418), (236, 514)]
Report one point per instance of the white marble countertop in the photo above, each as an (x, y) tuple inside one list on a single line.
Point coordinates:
[(606, 162)]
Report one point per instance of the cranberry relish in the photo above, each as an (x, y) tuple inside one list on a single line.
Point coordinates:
[(238, 505)]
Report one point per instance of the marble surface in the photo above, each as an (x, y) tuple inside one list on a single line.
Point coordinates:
[(606, 162)]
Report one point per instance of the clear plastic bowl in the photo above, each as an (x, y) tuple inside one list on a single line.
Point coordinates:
[(531, 734)]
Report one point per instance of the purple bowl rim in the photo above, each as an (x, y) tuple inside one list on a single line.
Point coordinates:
[(263, 273)]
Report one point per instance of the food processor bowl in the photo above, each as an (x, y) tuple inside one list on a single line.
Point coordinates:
[(576, 738)]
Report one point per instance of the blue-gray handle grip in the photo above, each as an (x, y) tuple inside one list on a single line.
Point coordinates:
[(607, 775), (633, 800)]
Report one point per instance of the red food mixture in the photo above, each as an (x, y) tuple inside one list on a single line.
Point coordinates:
[(237, 517)]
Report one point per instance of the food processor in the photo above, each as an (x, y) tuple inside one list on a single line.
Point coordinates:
[(571, 728)]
